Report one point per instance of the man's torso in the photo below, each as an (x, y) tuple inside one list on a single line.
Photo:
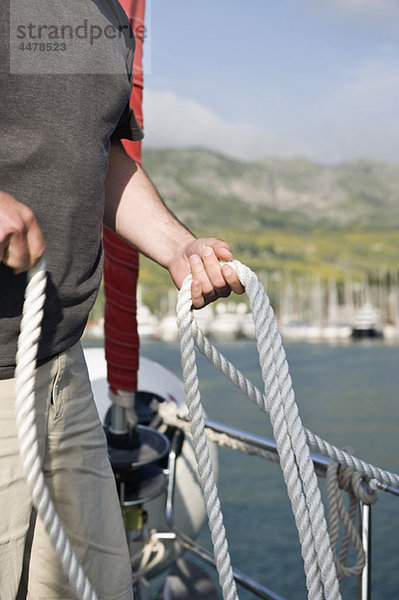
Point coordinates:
[(57, 114)]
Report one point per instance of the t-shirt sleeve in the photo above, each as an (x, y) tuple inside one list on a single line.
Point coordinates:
[(128, 128)]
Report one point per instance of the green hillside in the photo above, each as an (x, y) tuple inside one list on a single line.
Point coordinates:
[(205, 188), (284, 215)]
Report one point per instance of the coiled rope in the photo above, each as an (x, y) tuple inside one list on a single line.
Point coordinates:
[(28, 435)]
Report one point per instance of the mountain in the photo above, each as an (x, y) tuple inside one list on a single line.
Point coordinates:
[(293, 216), (203, 187)]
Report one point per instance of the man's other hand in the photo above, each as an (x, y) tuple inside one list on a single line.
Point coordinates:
[(211, 279), (21, 240)]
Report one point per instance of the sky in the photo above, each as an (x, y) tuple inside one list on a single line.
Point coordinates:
[(317, 79)]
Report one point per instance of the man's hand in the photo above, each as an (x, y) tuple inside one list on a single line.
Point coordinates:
[(211, 280), (21, 241), (136, 212)]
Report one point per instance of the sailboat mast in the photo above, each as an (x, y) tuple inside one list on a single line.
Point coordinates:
[(121, 261)]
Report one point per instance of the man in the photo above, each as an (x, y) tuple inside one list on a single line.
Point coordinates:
[(65, 75)]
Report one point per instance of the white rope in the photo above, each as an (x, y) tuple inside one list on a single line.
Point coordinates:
[(342, 478), (268, 337), (28, 435), (200, 444), (150, 556), (295, 460)]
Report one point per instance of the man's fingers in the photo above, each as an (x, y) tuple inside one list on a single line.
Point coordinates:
[(199, 274), (21, 240), (223, 251), (24, 250), (197, 297), (36, 243), (202, 291), (3, 248), (231, 277), (223, 277), (16, 254), (211, 280), (214, 272)]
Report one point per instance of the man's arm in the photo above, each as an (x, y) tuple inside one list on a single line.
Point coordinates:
[(135, 211), (21, 241)]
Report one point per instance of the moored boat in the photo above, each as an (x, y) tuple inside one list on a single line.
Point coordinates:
[(367, 323)]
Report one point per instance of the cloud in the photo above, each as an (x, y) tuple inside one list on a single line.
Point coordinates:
[(359, 119), (174, 121)]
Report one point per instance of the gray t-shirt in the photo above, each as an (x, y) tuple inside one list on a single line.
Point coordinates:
[(65, 82)]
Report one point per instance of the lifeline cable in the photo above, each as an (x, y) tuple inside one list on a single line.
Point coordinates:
[(27, 431)]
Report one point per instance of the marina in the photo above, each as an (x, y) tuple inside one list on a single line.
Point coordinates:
[(306, 309)]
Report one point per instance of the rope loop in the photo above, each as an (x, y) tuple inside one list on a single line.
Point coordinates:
[(353, 483), (278, 402), (342, 478)]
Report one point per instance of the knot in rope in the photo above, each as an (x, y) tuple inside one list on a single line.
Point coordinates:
[(343, 478), (151, 555), (355, 484)]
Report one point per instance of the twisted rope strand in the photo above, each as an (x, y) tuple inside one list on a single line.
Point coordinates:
[(300, 477), (200, 444), (274, 406), (28, 434)]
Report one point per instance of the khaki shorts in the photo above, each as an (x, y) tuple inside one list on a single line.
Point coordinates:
[(82, 485)]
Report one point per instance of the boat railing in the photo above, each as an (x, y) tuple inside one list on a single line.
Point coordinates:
[(268, 450)]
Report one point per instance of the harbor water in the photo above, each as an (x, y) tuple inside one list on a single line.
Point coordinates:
[(349, 395)]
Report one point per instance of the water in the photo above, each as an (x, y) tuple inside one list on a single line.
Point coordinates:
[(346, 394)]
